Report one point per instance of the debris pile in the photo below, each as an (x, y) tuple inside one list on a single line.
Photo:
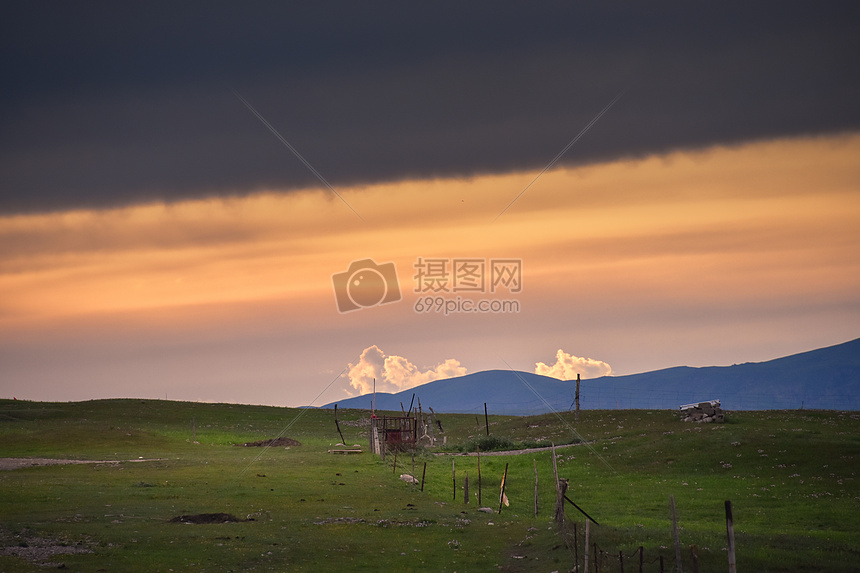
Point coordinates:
[(703, 412), (273, 443)]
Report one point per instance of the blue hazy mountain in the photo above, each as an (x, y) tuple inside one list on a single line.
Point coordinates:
[(827, 378)]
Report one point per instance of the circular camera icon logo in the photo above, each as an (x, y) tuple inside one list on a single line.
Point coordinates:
[(366, 287), (365, 284)]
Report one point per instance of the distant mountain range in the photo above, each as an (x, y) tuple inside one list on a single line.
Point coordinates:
[(827, 378)]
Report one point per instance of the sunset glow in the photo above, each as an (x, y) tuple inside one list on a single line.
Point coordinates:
[(770, 225)]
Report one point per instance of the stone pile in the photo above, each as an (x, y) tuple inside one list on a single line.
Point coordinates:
[(703, 412)]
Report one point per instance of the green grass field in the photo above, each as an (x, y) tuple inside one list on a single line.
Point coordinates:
[(791, 477)]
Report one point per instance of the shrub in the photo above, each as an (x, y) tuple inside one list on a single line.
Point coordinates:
[(488, 444)]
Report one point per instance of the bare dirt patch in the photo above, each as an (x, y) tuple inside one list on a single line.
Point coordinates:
[(204, 518), (274, 442), (17, 463), (509, 452), (37, 549)]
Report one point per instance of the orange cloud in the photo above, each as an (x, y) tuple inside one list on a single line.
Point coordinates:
[(765, 219)]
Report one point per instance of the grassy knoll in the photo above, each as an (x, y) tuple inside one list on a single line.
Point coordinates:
[(791, 476)]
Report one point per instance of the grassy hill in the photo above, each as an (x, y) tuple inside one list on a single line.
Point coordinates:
[(791, 476)]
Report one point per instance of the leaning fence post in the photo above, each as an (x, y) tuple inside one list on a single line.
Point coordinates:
[(730, 531), (423, 473), (504, 483), (534, 461), (337, 425)]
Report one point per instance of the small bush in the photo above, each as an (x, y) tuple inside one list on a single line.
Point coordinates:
[(488, 444), (527, 444)]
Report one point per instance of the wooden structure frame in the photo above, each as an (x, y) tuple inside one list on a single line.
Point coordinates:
[(393, 433)]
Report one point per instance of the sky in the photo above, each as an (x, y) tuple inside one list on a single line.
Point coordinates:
[(271, 205)]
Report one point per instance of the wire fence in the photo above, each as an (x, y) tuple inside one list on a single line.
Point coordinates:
[(599, 559)]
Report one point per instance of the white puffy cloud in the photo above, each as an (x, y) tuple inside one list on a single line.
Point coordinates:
[(394, 373), (567, 366), (369, 366)]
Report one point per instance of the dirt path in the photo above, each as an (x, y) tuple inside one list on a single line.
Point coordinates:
[(17, 463), (510, 452)]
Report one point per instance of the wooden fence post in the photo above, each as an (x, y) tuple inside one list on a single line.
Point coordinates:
[(621, 560), (576, 545), (424, 473), (641, 558), (436, 420), (675, 536), (560, 490), (337, 424), (534, 461), (730, 531), (419, 420), (587, 536), (454, 478), (576, 414), (504, 483), (560, 497), (479, 477), (486, 419), (694, 553), (466, 489)]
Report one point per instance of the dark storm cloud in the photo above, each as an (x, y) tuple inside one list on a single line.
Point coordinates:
[(109, 105)]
